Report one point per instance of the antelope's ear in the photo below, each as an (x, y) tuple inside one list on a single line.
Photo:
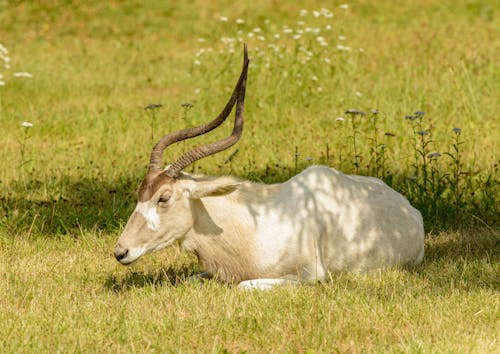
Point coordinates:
[(212, 188)]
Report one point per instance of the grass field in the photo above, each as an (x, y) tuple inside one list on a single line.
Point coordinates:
[(82, 73)]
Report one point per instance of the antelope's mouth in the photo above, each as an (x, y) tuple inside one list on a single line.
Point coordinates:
[(128, 256)]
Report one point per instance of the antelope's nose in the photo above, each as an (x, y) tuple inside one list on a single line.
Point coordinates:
[(120, 253)]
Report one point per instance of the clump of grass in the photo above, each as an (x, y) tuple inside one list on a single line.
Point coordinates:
[(446, 192)]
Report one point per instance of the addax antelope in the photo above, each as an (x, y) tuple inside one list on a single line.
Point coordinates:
[(315, 224)]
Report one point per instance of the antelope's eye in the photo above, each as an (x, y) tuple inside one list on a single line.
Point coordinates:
[(163, 200)]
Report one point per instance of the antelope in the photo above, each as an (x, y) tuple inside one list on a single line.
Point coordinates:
[(258, 236)]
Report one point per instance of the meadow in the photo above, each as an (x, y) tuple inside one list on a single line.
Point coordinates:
[(406, 92)]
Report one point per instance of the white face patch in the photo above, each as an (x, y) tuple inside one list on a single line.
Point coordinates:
[(149, 213)]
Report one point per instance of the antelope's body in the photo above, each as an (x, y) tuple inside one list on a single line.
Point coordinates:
[(317, 223)]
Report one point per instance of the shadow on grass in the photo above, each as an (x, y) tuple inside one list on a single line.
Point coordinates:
[(165, 276), (67, 206), (72, 205)]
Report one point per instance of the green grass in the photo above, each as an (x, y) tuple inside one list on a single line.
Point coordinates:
[(67, 185)]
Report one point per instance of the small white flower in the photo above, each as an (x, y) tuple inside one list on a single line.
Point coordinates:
[(223, 19), (339, 119), (287, 30), (327, 60), (344, 6), (341, 38), (343, 48), (201, 40), (240, 21), (22, 74), (256, 30), (296, 36), (327, 13), (27, 124), (316, 14), (197, 62), (303, 12), (197, 90), (2, 83), (250, 34), (314, 78), (300, 23), (320, 89), (277, 36), (361, 50), (261, 38), (359, 94), (328, 27)]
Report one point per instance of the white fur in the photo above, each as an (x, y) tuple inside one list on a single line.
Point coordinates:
[(317, 223), (148, 211)]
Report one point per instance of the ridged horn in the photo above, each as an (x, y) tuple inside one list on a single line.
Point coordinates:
[(238, 95)]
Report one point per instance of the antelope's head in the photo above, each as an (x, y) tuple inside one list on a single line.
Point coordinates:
[(163, 213)]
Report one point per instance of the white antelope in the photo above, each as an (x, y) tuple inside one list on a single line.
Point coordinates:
[(317, 223)]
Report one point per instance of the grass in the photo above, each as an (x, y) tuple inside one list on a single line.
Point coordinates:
[(67, 184)]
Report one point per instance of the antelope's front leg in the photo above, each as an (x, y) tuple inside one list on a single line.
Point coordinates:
[(266, 283)]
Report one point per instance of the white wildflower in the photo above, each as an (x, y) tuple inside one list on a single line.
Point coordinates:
[(344, 6), (296, 36), (240, 21), (303, 12), (314, 78), (287, 30), (320, 89), (2, 83), (328, 27), (316, 14), (197, 90), (339, 119), (277, 36), (300, 23), (27, 124), (223, 19), (361, 50), (256, 30), (359, 94), (327, 60), (342, 38), (250, 34), (201, 40), (327, 13), (261, 38), (197, 62), (343, 48), (22, 74)]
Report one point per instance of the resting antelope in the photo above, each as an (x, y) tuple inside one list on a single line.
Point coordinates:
[(317, 223)]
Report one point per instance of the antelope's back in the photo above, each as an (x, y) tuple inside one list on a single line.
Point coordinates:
[(361, 223)]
